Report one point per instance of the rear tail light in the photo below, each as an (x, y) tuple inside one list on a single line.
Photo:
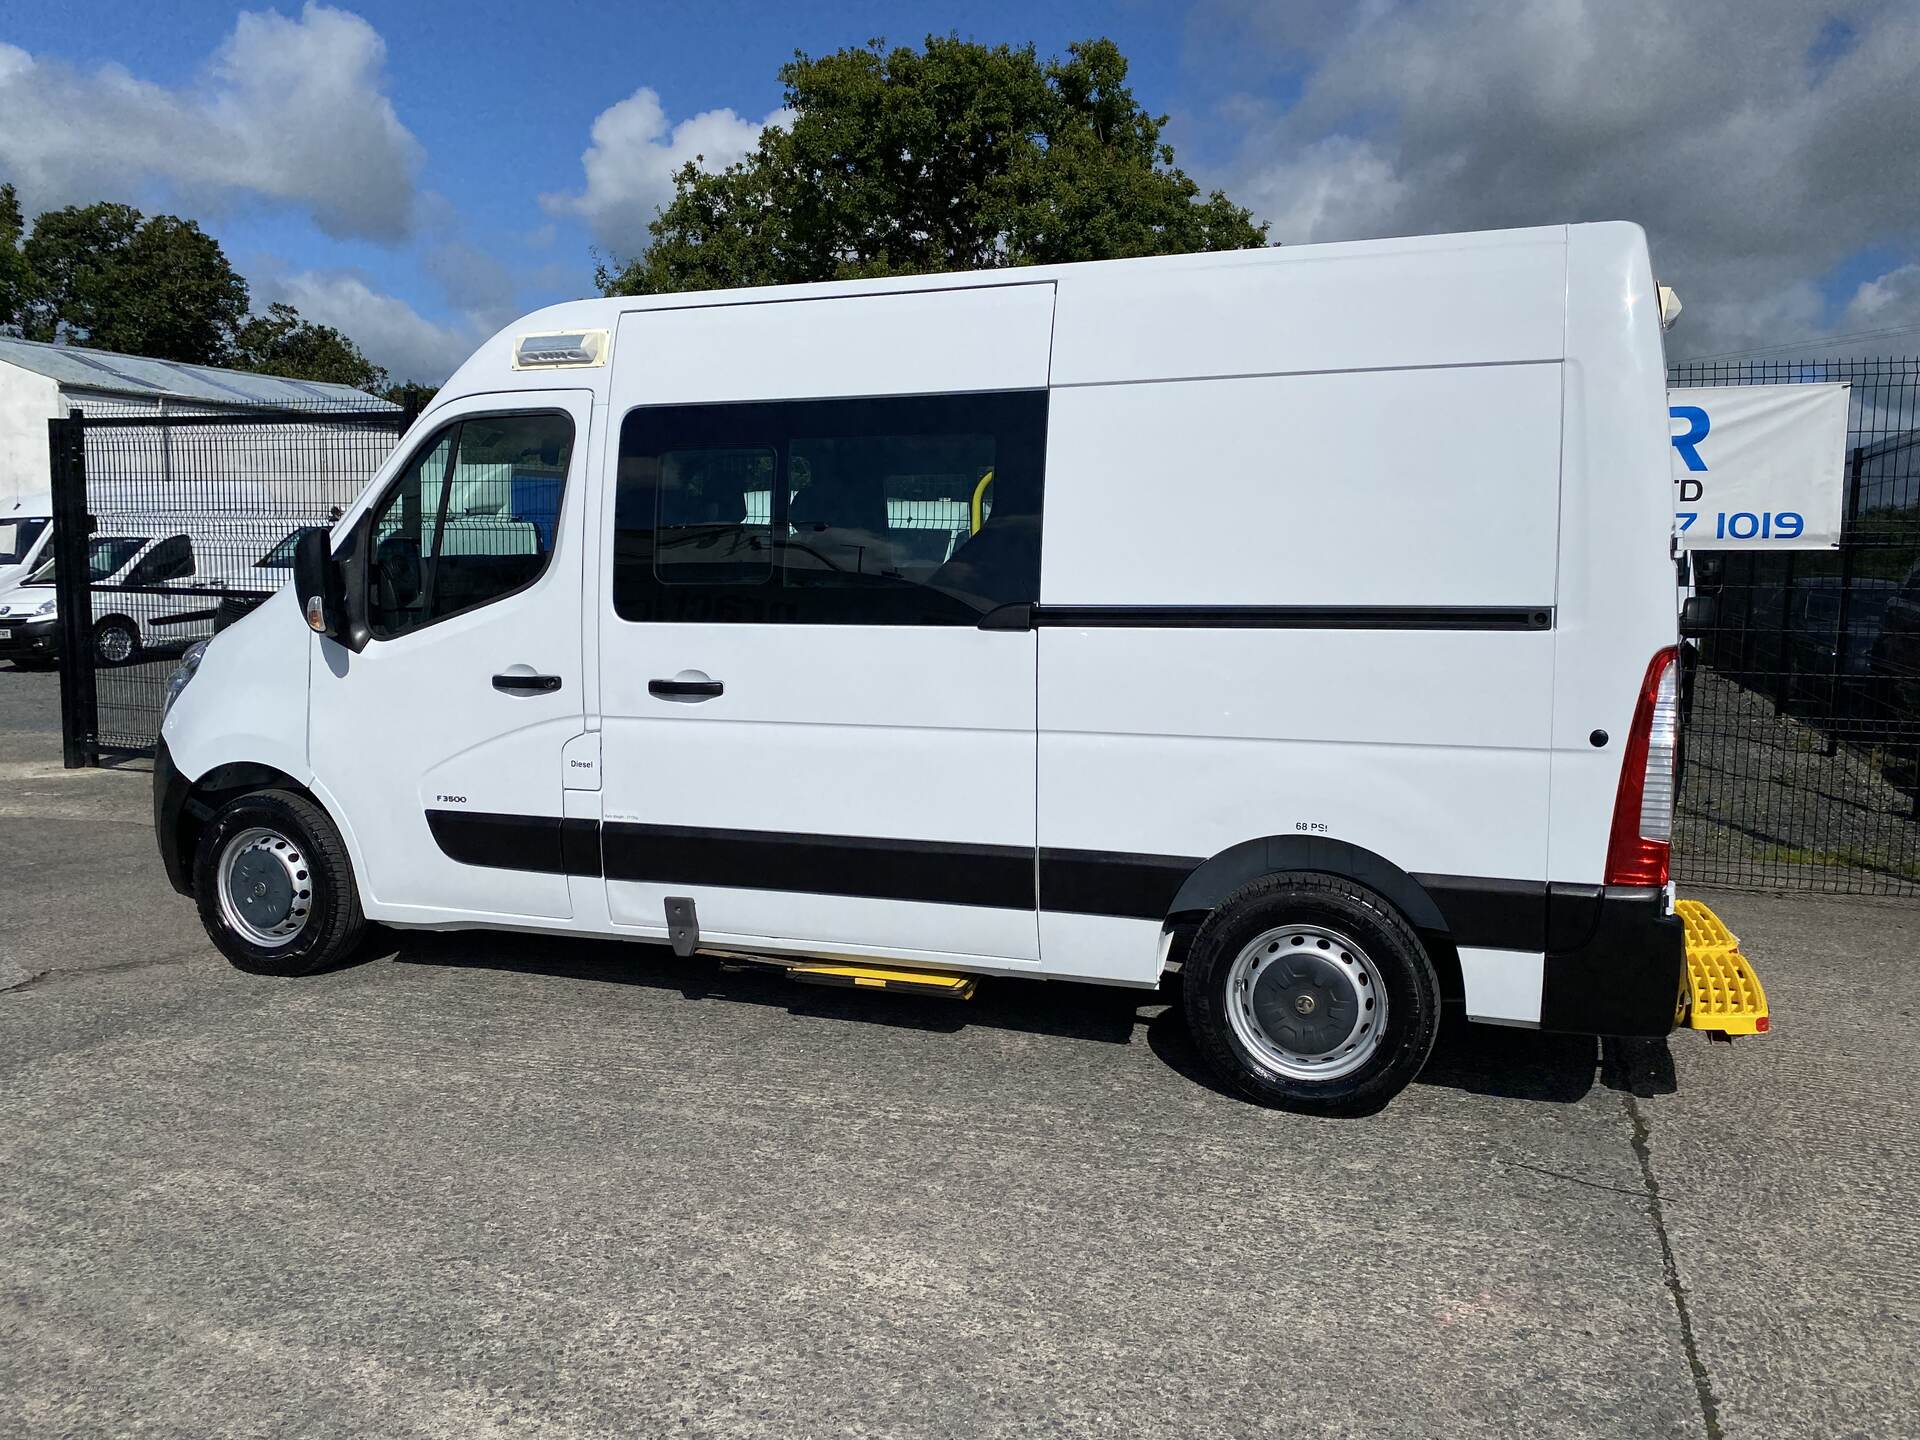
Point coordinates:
[(1643, 808)]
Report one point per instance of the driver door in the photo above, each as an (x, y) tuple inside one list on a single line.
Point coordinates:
[(440, 742)]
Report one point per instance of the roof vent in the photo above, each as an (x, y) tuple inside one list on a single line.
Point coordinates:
[(575, 348)]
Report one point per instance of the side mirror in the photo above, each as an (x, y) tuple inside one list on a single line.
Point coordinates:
[(317, 583), (1696, 616)]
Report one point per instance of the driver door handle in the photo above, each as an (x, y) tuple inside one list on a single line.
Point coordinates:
[(513, 684)]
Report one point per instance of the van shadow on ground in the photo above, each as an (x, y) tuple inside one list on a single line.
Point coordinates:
[(1479, 1059)]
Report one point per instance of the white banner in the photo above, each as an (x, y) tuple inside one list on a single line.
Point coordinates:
[(1759, 467)]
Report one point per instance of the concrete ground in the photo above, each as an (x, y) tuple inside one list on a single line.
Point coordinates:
[(488, 1185)]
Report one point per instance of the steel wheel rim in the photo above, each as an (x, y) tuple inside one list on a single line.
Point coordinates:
[(1307, 1002), (114, 644), (266, 887)]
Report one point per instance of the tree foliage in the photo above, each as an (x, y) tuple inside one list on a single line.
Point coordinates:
[(107, 277), (954, 156), (281, 343), (111, 278), (16, 279)]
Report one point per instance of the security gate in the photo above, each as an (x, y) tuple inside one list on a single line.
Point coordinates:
[(1802, 720), (167, 527)]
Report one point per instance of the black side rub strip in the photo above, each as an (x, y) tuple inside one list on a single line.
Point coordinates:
[(503, 842), (1105, 882), (1495, 914), (936, 872), (1272, 617)]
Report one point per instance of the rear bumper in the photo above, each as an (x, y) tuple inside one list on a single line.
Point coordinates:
[(1619, 972), (170, 790)]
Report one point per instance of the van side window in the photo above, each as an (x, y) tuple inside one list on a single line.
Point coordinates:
[(909, 510), (470, 520), (171, 559), (708, 528)]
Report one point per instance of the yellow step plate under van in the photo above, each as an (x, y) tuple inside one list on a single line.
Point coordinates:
[(1722, 991), (868, 977)]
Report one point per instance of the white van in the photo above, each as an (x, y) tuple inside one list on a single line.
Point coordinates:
[(1302, 619), (26, 526), (133, 609)]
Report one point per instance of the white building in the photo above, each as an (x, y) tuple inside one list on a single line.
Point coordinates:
[(40, 382)]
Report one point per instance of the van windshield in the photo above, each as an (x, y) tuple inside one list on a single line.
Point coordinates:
[(17, 536), (104, 556)]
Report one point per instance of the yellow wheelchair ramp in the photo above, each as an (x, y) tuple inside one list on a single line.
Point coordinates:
[(873, 977), (1722, 992)]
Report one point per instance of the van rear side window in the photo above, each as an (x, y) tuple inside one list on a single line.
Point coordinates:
[(910, 510)]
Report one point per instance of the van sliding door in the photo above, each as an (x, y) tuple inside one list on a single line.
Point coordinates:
[(806, 729)]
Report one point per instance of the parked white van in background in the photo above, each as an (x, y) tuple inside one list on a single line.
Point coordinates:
[(26, 526), (1310, 630)]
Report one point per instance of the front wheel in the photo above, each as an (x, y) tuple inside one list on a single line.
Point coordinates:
[(1310, 992), (275, 887)]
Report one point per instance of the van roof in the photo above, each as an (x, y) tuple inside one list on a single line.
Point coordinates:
[(483, 370)]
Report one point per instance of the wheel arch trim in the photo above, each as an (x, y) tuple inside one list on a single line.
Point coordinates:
[(1214, 879), (183, 807)]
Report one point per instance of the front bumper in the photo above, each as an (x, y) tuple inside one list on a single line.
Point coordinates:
[(30, 639), (1616, 962), (170, 790)]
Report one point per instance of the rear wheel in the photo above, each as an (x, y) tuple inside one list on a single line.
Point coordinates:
[(1310, 992), (274, 886), (115, 642)]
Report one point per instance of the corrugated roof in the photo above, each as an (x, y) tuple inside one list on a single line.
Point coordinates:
[(137, 376)]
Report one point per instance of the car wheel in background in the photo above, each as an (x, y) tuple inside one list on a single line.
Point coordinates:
[(115, 641)]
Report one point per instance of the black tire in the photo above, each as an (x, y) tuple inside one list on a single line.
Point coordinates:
[(1335, 904), (333, 924), (108, 633)]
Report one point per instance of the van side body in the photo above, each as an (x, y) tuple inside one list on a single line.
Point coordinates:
[(1346, 559)]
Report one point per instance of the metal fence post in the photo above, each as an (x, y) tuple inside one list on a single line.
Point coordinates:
[(79, 702), (1849, 545)]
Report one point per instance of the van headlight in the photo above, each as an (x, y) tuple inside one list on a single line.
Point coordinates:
[(45, 607), (176, 682)]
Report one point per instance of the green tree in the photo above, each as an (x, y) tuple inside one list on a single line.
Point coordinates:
[(281, 343), (16, 278), (410, 392), (108, 277), (955, 156)]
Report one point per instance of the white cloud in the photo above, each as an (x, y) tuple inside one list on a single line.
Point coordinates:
[(1760, 143), (635, 151), (291, 110), (1891, 301), (387, 329)]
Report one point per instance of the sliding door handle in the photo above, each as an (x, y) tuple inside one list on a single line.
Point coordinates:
[(687, 688)]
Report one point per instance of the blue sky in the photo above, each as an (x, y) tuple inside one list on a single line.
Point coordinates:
[(414, 172)]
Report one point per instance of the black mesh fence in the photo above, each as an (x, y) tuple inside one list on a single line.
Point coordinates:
[(1802, 734), (169, 526)]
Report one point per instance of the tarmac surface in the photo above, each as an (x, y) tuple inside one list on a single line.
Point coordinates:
[(490, 1185)]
